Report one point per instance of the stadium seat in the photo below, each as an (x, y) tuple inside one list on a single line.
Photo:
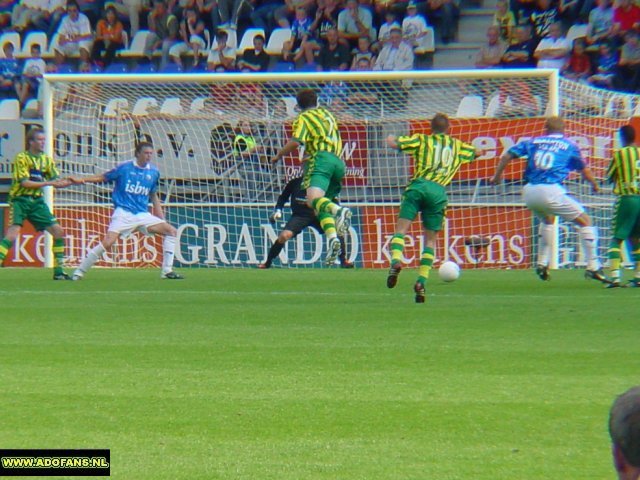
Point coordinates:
[(283, 67), (247, 39), (32, 109), (9, 110), (13, 37), (427, 44), (144, 68), (116, 105), (171, 68), (493, 106), (34, 38), (136, 49), (197, 105), (171, 106), (143, 105), (116, 67), (470, 106), (576, 31), (276, 40)]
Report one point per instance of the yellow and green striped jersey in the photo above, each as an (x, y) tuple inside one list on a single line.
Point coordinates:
[(624, 171), (317, 130), (37, 168), (436, 157)]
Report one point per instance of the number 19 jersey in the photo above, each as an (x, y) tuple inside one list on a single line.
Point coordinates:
[(550, 158)]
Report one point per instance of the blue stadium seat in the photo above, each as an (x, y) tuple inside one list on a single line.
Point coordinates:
[(283, 67), (116, 67), (144, 68), (171, 68)]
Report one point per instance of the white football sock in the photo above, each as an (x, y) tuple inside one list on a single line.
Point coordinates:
[(92, 257), (589, 242), (168, 252), (545, 234)]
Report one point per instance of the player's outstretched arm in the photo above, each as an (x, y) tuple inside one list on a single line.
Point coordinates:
[(588, 176), (97, 178), (290, 147), (504, 161), (56, 183)]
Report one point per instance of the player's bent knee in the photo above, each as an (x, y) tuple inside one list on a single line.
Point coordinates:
[(583, 220), (285, 236)]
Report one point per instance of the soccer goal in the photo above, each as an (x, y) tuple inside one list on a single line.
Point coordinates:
[(220, 196)]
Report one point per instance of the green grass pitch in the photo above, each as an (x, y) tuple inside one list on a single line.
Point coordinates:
[(310, 374)]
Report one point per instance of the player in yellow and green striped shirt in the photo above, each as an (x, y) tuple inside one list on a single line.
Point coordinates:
[(317, 130), (437, 158), (624, 173), (32, 170)]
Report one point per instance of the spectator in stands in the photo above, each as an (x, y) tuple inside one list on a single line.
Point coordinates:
[(600, 23), (109, 38), (254, 59), (395, 55), (553, 50), (9, 72), (191, 36), (578, 67), (222, 57), (334, 95), (333, 55), (414, 27), (300, 35), (626, 16), (131, 10), (444, 14), (520, 53), (362, 52), (384, 34), (163, 26), (627, 77), (6, 7), (543, 17), (490, 54), (353, 22), (74, 33), (28, 14), (505, 20), (32, 71), (522, 9), (326, 19), (53, 15), (606, 67), (92, 9)]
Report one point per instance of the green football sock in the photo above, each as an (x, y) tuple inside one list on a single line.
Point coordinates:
[(614, 258), (5, 245), (426, 261), (58, 255), (397, 247)]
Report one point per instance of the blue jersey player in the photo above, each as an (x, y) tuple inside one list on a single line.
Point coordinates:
[(135, 184), (550, 159)]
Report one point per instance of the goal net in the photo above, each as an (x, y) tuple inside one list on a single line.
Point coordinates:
[(219, 195)]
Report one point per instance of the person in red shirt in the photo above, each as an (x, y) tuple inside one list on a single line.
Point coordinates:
[(578, 66), (625, 17)]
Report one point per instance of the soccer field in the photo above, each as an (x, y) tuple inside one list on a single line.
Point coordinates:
[(318, 374)]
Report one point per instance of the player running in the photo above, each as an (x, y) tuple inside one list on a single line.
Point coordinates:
[(135, 184), (32, 171), (550, 159), (301, 218), (317, 130), (624, 173), (436, 158)]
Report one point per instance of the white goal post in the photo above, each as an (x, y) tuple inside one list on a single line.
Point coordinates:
[(220, 199)]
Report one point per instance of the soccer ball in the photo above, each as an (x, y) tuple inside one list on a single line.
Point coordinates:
[(449, 271)]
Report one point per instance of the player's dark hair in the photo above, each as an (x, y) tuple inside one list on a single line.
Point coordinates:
[(439, 123), (307, 98), (142, 145), (627, 134), (624, 425), (33, 131)]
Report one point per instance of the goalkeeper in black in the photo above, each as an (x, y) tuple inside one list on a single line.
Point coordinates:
[(302, 217)]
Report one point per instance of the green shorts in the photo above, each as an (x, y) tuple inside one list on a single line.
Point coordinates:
[(33, 209), (626, 217), (428, 198), (325, 171)]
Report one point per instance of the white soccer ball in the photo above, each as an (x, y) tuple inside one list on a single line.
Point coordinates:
[(449, 271)]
